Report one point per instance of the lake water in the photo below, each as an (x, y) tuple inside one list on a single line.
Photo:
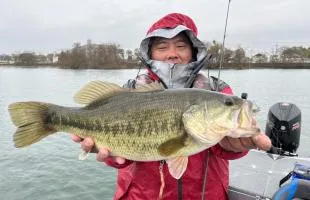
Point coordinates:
[(50, 169)]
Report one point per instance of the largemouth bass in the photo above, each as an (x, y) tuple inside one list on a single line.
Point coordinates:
[(144, 124)]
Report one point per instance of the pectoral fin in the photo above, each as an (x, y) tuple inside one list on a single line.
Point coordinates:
[(170, 147), (83, 155), (177, 166)]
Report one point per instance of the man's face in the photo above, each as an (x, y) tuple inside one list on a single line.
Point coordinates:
[(176, 50)]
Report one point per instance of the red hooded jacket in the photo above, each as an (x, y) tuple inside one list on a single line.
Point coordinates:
[(141, 180)]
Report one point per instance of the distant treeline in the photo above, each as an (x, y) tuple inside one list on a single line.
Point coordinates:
[(98, 56), (112, 56)]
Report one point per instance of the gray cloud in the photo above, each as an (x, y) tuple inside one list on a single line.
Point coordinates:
[(46, 26)]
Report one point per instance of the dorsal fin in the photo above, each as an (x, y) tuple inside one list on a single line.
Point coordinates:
[(154, 86), (97, 90), (100, 90)]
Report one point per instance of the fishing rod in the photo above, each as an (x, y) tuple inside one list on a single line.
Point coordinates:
[(223, 47), (217, 87), (194, 73)]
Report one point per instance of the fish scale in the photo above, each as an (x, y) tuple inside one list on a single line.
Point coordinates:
[(130, 129)]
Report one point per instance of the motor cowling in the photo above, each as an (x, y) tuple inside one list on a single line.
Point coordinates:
[(283, 128)]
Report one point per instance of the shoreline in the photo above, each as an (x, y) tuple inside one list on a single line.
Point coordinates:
[(236, 66)]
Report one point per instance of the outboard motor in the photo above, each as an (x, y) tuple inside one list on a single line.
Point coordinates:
[(283, 128)]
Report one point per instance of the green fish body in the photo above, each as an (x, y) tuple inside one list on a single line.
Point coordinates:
[(144, 124)]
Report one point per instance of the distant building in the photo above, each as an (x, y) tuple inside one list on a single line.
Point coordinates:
[(260, 58), (306, 60), (6, 59), (296, 58), (55, 58)]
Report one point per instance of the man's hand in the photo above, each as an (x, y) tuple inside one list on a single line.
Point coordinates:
[(260, 141), (88, 146)]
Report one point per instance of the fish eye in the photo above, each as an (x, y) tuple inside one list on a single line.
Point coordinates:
[(229, 101)]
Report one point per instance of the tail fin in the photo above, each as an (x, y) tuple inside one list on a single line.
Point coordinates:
[(30, 119)]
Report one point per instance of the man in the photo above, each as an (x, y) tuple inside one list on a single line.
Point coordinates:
[(172, 50)]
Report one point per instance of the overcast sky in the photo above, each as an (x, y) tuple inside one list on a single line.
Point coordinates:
[(45, 26)]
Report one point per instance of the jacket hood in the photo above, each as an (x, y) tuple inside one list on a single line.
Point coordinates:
[(170, 26), (174, 75), (173, 20)]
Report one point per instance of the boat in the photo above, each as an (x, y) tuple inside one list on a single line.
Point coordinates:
[(280, 173)]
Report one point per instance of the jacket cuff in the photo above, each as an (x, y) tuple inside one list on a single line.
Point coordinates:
[(227, 155)]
